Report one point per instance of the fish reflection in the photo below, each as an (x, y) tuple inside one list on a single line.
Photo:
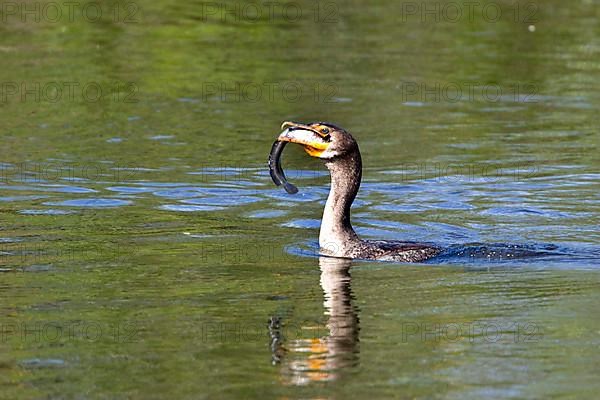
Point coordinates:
[(324, 355)]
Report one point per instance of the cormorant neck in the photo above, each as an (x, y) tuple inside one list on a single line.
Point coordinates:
[(337, 234)]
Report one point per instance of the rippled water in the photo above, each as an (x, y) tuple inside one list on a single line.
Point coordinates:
[(145, 253)]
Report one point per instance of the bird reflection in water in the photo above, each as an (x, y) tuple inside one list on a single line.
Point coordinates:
[(325, 354)]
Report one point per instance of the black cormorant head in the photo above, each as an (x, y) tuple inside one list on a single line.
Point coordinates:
[(320, 139)]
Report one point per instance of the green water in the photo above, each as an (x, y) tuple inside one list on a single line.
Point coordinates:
[(145, 254)]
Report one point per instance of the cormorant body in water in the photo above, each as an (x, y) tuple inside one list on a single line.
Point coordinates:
[(342, 158)]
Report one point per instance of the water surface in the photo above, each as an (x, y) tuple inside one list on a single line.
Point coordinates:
[(145, 253)]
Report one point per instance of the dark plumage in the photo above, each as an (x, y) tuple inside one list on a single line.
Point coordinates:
[(341, 155)]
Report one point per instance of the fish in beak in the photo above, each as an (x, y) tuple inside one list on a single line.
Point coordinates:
[(314, 138), (314, 142)]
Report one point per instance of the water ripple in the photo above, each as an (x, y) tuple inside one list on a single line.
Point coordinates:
[(267, 214), (222, 201), (90, 203), (45, 212), (179, 193), (189, 208)]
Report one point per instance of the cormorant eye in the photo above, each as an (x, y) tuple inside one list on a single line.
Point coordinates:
[(325, 132)]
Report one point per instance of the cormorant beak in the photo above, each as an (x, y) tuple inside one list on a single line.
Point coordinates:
[(313, 141)]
